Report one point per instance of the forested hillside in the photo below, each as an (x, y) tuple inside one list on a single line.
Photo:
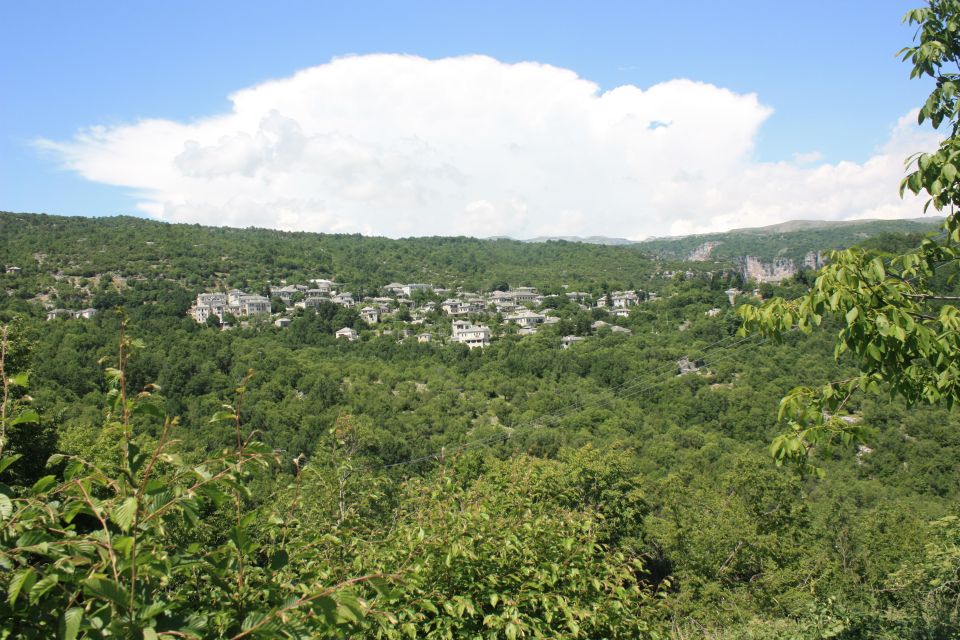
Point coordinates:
[(205, 257), (790, 240), (186, 479)]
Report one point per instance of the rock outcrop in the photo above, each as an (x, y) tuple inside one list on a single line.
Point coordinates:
[(702, 253), (754, 269)]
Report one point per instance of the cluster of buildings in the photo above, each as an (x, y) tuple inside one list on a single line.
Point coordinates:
[(516, 306), (235, 302), (71, 314)]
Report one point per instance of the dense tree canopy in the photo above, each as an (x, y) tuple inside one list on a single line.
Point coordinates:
[(160, 478), (897, 313)]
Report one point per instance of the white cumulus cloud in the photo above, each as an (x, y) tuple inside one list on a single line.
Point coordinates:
[(399, 145)]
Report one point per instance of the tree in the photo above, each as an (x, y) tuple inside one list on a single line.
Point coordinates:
[(120, 552), (897, 316)]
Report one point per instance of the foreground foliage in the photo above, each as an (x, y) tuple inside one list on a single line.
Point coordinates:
[(390, 489), (898, 313)]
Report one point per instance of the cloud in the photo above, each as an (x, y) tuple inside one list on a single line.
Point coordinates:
[(400, 145)]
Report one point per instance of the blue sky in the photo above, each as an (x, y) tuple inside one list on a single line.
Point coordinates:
[(826, 69)]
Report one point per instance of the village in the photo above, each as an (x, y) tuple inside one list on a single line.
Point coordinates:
[(422, 312), (420, 308)]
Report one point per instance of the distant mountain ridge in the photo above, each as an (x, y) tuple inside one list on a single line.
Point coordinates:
[(768, 253), (905, 225), (213, 256), (777, 251), (836, 233), (604, 240)]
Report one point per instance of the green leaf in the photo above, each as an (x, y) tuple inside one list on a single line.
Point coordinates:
[(6, 461), (149, 634), (6, 507), (70, 623), (948, 173), (42, 484), (103, 587), (147, 409), (349, 607), (124, 513), (43, 586), (21, 580), (27, 417)]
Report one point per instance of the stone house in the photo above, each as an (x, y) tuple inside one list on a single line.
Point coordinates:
[(525, 318), (347, 333), (455, 307), (343, 299), (370, 315), (470, 334)]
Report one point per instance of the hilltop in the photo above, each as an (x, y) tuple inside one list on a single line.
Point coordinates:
[(791, 240), (199, 256)]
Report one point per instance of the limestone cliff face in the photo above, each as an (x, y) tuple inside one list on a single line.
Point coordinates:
[(702, 253), (814, 260), (753, 268)]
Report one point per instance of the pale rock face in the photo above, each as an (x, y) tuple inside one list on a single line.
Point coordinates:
[(702, 253), (814, 260), (754, 269)]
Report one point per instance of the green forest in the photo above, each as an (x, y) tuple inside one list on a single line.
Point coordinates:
[(165, 478), (678, 453)]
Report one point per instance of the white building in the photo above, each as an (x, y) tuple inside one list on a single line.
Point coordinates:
[(408, 289), (395, 288), (472, 335), (520, 295), (286, 293), (525, 318), (343, 299), (456, 307), (370, 315), (235, 302), (624, 299), (619, 300), (316, 295), (523, 295), (319, 284), (75, 314), (347, 333)]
